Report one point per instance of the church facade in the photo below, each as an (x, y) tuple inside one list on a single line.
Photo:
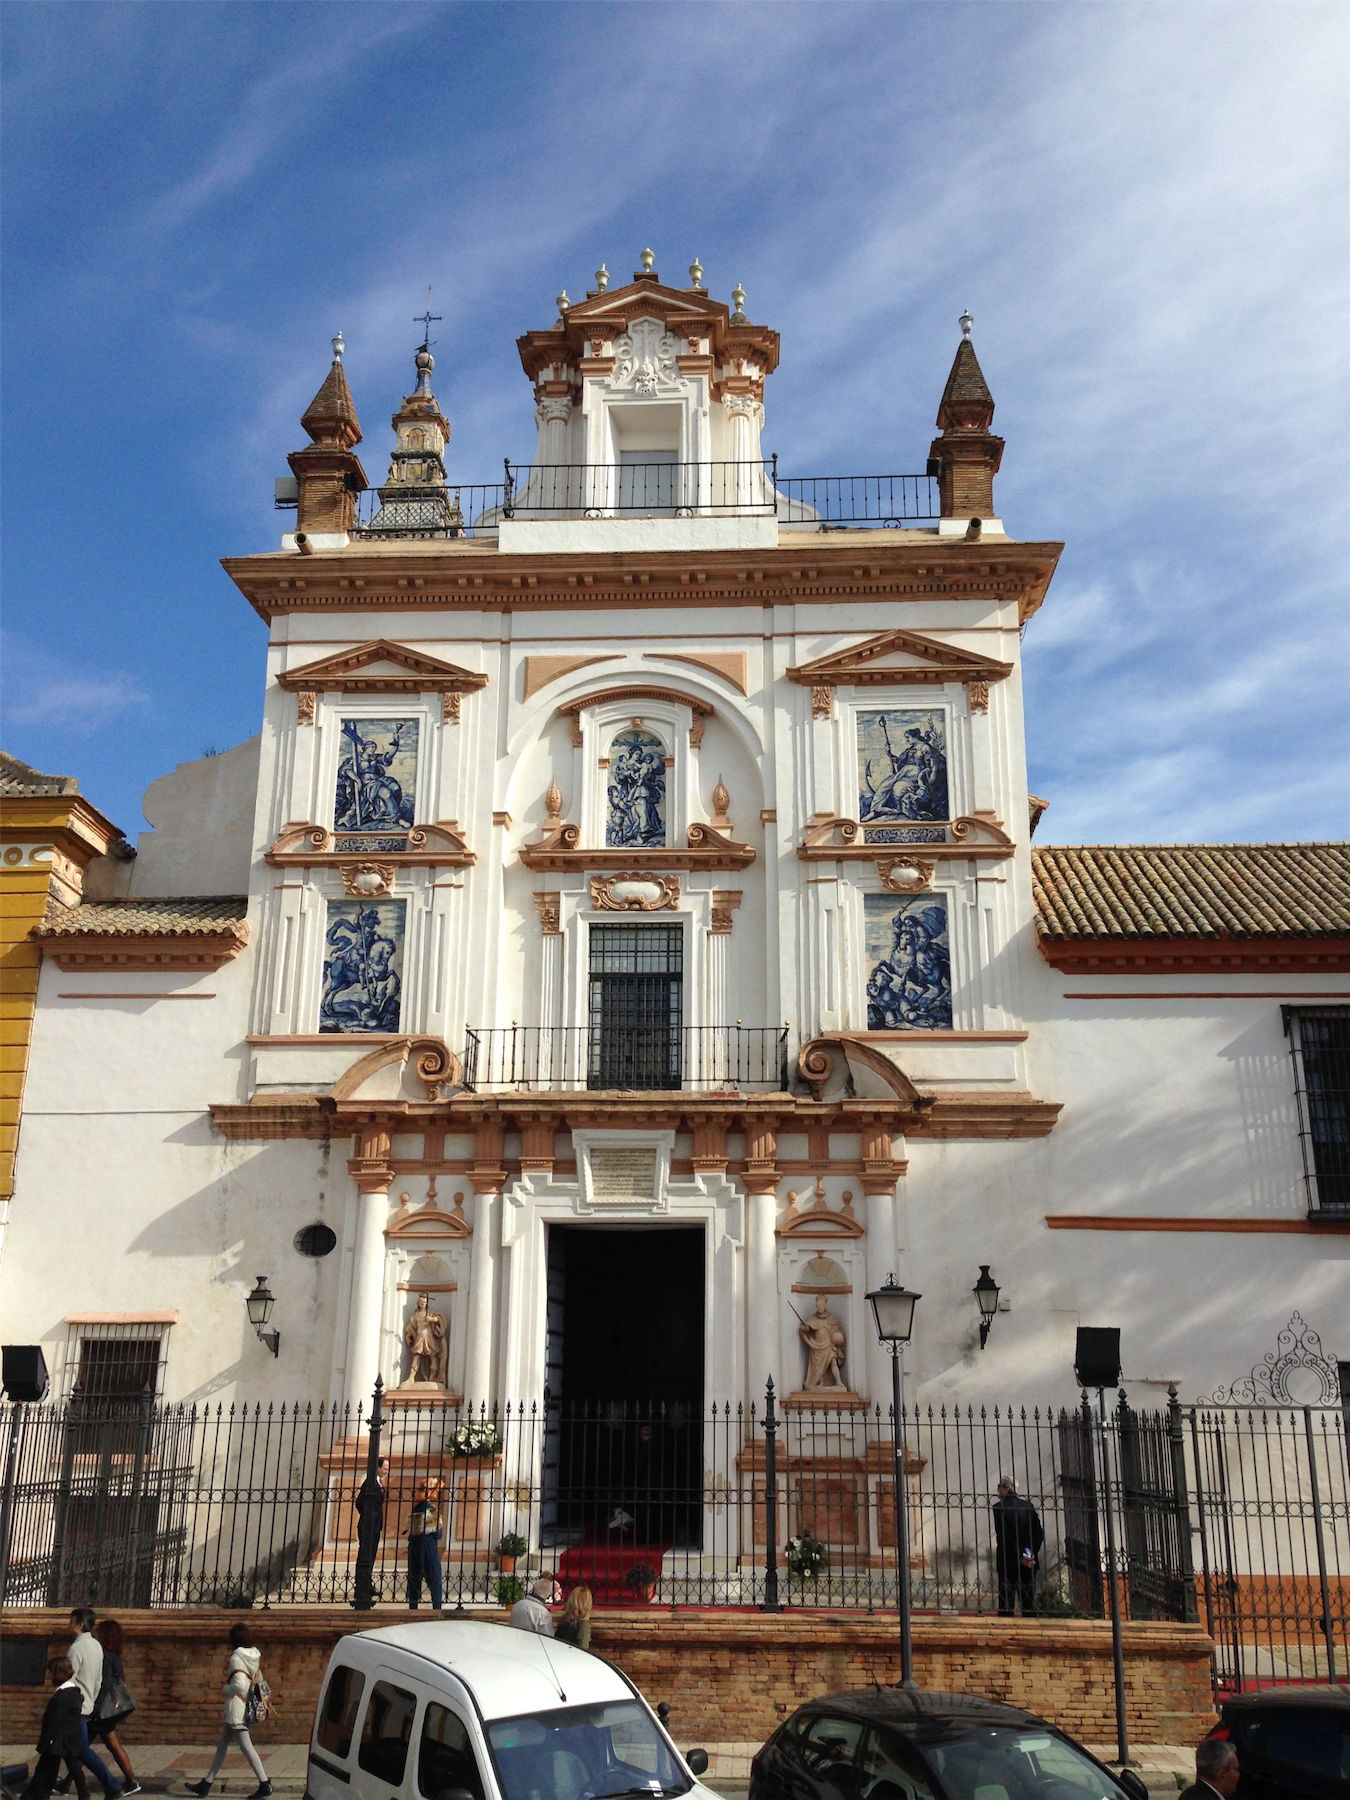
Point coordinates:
[(624, 947)]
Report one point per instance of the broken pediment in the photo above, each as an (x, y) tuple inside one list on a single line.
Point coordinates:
[(898, 659)]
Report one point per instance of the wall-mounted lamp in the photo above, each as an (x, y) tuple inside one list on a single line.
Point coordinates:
[(986, 1293), (260, 1303)]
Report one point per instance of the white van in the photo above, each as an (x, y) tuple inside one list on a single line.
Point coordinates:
[(472, 1711)]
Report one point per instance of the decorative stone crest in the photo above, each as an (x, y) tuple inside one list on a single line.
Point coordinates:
[(905, 874), (304, 706), (635, 890), (365, 880), (554, 409), (549, 908), (645, 357), (725, 901)]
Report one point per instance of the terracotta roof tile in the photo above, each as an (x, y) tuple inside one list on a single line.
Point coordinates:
[(17, 778), (1191, 890), (198, 916)]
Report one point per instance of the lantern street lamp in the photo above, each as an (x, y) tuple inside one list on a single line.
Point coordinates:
[(259, 1304), (893, 1310), (986, 1293)]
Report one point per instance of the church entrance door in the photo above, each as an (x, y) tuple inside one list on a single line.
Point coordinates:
[(625, 1372)]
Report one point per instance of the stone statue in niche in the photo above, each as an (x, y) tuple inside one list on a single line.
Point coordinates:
[(823, 1336), (424, 1334)]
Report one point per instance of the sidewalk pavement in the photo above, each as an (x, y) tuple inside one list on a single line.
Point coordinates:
[(167, 1768)]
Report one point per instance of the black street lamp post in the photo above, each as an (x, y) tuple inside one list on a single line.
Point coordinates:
[(893, 1310)]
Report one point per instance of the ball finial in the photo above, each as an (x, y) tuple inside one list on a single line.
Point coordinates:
[(648, 261), (696, 273), (738, 302), (601, 279), (965, 322), (339, 345)]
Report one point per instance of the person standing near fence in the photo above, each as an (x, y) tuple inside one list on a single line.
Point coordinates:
[(242, 1673), (1018, 1537), (574, 1626), (370, 1501), (424, 1537), (114, 1704), (59, 1737), (86, 1659)]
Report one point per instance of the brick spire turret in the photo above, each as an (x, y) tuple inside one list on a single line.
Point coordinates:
[(329, 472), (414, 501), (967, 453)]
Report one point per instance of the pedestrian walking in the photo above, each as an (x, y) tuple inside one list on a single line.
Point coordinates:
[(574, 1627), (1018, 1537), (86, 1659), (114, 1704), (531, 1613), (244, 1691), (424, 1539), (60, 1739)]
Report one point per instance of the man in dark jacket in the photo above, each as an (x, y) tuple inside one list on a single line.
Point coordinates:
[(59, 1737), (1216, 1771), (1018, 1537)]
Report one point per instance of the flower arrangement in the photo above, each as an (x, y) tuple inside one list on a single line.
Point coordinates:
[(806, 1555), (479, 1437)]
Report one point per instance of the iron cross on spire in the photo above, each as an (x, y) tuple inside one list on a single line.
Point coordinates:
[(426, 320)]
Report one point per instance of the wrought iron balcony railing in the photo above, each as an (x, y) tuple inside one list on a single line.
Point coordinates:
[(667, 1059), (648, 490)]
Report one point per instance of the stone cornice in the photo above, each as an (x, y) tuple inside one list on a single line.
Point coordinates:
[(1195, 955), (868, 566), (138, 953), (978, 1115)]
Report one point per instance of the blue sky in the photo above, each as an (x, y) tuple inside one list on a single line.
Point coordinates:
[(1144, 206)]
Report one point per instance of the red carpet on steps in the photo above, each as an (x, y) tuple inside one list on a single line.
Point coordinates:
[(604, 1568)]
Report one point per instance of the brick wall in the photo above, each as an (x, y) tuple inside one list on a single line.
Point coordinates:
[(727, 1676)]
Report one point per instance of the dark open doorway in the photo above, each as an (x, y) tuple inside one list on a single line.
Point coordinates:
[(625, 1369)]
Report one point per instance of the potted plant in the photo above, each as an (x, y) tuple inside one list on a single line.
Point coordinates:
[(510, 1588), (642, 1579), (805, 1556), (510, 1546)]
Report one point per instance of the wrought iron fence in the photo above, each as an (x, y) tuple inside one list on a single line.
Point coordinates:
[(1237, 1518), (648, 489), (564, 1058)]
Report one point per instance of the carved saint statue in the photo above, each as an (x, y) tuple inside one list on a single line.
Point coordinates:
[(825, 1343), (424, 1334)]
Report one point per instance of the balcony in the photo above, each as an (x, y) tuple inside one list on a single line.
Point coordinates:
[(652, 490), (744, 1059)]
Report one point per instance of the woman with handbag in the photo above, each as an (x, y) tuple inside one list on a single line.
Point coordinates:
[(114, 1703), (245, 1697), (424, 1536)]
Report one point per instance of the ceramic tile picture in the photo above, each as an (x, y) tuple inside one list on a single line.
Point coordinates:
[(362, 966), (902, 765), (376, 775), (636, 812), (909, 981)]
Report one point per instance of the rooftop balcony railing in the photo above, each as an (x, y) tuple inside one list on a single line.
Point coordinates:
[(648, 1058), (657, 490)]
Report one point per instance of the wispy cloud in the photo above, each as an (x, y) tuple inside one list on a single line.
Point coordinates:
[(44, 689)]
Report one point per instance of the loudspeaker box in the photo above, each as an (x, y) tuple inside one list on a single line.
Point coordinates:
[(1096, 1361), (24, 1371)]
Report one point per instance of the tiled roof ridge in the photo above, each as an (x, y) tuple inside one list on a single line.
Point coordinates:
[(1192, 890), (18, 777), (177, 915)]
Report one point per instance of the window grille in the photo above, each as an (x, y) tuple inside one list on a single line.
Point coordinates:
[(1319, 1040), (122, 1361), (636, 1006)]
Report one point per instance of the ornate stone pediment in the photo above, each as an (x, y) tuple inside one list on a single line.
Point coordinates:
[(305, 845), (894, 847), (380, 667), (898, 659)]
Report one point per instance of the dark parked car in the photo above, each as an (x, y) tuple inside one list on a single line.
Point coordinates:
[(1292, 1743), (901, 1744)]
